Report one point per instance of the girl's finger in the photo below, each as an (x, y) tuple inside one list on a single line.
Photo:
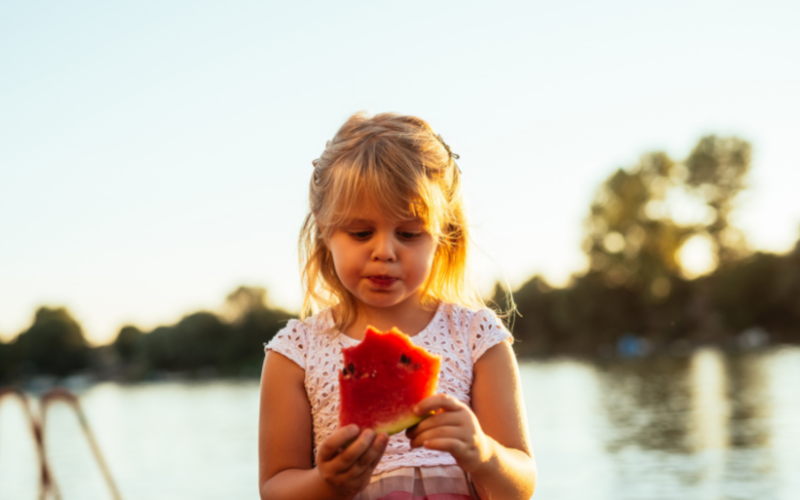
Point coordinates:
[(375, 451), (446, 418), (449, 445), (366, 463), (330, 447), (447, 431), (382, 444), (438, 402), (379, 447), (348, 457)]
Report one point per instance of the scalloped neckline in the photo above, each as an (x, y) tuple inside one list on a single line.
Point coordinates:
[(419, 335)]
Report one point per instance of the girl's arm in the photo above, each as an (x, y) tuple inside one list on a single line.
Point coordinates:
[(497, 402), (285, 443), (489, 441)]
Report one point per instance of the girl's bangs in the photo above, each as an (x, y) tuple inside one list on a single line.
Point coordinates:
[(358, 189)]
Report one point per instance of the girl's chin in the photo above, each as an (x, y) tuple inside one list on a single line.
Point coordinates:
[(380, 303), (381, 299)]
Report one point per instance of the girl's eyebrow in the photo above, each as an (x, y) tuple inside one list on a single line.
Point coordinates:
[(350, 222), (354, 222)]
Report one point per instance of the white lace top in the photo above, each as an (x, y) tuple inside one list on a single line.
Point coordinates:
[(458, 334)]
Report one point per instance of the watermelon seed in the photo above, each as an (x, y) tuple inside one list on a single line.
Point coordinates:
[(351, 368), (405, 359)]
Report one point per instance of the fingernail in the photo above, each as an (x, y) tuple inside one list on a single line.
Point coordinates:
[(353, 429), (416, 409), (369, 433)]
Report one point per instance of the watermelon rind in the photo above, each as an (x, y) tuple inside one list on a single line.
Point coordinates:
[(400, 424)]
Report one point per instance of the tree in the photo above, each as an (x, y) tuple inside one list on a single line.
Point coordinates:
[(197, 341), (717, 170), (127, 341), (629, 241), (54, 344), (243, 301), (635, 229)]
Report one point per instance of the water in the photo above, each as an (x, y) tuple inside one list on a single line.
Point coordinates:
[(706, 427)]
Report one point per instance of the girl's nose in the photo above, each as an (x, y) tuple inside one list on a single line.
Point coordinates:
[(384, 249)]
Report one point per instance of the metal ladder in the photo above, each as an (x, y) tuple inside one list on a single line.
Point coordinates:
[(48, 489)]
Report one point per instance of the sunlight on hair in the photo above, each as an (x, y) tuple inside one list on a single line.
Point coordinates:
[(697, 257)]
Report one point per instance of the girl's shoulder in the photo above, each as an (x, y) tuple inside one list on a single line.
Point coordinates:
[(471, 319), (480, 328), (295, 339)]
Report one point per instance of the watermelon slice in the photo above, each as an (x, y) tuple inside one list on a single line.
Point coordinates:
[(384, 376)]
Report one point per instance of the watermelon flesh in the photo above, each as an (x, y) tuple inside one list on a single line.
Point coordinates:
[(383, 377)]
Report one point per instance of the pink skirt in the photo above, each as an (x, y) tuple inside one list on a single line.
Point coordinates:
[(443, 482)]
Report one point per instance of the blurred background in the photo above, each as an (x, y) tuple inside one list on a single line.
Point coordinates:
[(631, 174)]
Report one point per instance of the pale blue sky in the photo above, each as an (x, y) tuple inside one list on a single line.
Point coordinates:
[(155, 155)]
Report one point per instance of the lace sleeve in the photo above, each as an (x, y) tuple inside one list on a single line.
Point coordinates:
[(486, 331), (291, 341)]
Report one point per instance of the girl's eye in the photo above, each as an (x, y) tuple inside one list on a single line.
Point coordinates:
[(406, 235), (360, 234)]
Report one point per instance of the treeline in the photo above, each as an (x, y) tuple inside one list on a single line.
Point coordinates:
[(750, 305), (637, 297), (642, 293), (200, 344)]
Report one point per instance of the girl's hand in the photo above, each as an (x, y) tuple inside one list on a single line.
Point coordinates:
[(348, 468), (453, 428)]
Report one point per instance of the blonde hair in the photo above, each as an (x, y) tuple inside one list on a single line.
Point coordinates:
[(400, 166)]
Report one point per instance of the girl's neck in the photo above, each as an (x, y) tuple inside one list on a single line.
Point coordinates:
[(409, 317)]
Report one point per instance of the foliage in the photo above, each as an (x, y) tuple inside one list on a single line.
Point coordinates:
[(127, 342), (54, 344), (637, 285), (641, 218), (203, 342), (199, 343), (717, 169)]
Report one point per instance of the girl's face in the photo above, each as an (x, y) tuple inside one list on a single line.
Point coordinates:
[(382, 262)]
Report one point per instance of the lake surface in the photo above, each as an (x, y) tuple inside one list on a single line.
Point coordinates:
[(708, 427)]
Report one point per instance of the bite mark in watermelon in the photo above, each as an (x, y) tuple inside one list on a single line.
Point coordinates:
[(384, 376)]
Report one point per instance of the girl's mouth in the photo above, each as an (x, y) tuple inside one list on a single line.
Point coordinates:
[(382, 281)]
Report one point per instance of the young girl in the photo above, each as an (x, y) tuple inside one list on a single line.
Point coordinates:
[(385, 244)]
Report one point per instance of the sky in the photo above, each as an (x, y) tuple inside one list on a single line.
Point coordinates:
[(156, 155)]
